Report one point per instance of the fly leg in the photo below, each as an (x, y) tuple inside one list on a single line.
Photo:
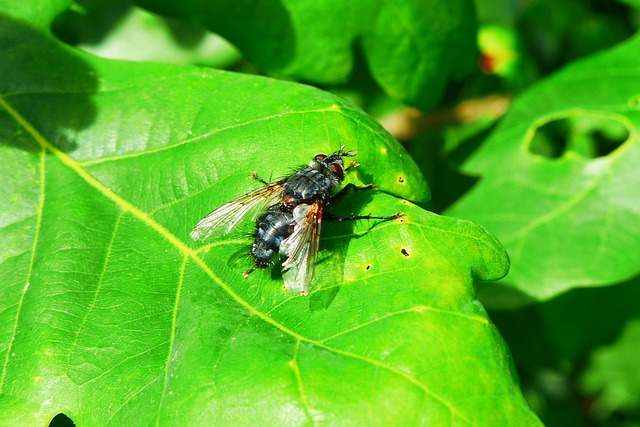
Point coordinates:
[(249, 271), (342, 193), (255, 176), (352, 165), (334, 218)]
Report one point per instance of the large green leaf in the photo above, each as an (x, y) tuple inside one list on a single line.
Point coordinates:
[(112, 315), (413, 47), (570, 221)]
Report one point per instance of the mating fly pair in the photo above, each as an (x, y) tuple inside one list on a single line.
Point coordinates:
[(290, 227)]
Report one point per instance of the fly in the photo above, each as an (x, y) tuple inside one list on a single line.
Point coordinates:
[(290, 225)]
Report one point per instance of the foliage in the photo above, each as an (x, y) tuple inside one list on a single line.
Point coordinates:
[(112, 315)]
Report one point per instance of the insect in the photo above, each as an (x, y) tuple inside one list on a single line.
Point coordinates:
[(291, 223)]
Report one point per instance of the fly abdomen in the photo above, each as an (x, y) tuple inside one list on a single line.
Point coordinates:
[(272, 228)]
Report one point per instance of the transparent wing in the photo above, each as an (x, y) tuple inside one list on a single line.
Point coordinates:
[(301, 248), (223, 219)]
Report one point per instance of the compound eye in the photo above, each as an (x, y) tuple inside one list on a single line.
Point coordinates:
[(337, 169), (320, 157)]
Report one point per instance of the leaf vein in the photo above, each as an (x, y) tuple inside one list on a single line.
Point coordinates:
[(172, 338), (303, 394), (399, 372), (41, 195), (83, 322), (195, 139)]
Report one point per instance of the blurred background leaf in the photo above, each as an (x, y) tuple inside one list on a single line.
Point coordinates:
[(118, 30), (559, 177), (407, 45)]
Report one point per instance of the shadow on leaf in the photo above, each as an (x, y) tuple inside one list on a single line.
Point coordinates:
[(45, 83)]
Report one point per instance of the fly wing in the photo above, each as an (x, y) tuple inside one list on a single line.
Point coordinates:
[(301, 248), (227, 216)]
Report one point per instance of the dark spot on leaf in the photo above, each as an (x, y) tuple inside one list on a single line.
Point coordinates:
[(367, 267), (586, 136), (404, 252), (400, 179), (61, 420)]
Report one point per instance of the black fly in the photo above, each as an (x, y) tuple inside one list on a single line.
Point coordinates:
[(291, 224)]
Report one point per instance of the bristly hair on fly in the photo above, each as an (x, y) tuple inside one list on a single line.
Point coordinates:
[(290, 217)]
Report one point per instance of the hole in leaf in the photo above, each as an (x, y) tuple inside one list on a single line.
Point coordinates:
[(404, 252), (587, 136), (61, 420)]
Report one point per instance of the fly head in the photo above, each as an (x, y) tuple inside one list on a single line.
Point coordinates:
[(332, 167)]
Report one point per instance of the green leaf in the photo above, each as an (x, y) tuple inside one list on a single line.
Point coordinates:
[(570, 221), (135, 34), (39, 15), (112, 315), (413, 47), (589, 309), (613, 375), (604, 360), (578, 347), (632, 3)]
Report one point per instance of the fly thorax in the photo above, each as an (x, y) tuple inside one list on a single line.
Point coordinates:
[(316, 164), (334, 180), (329, 172)]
